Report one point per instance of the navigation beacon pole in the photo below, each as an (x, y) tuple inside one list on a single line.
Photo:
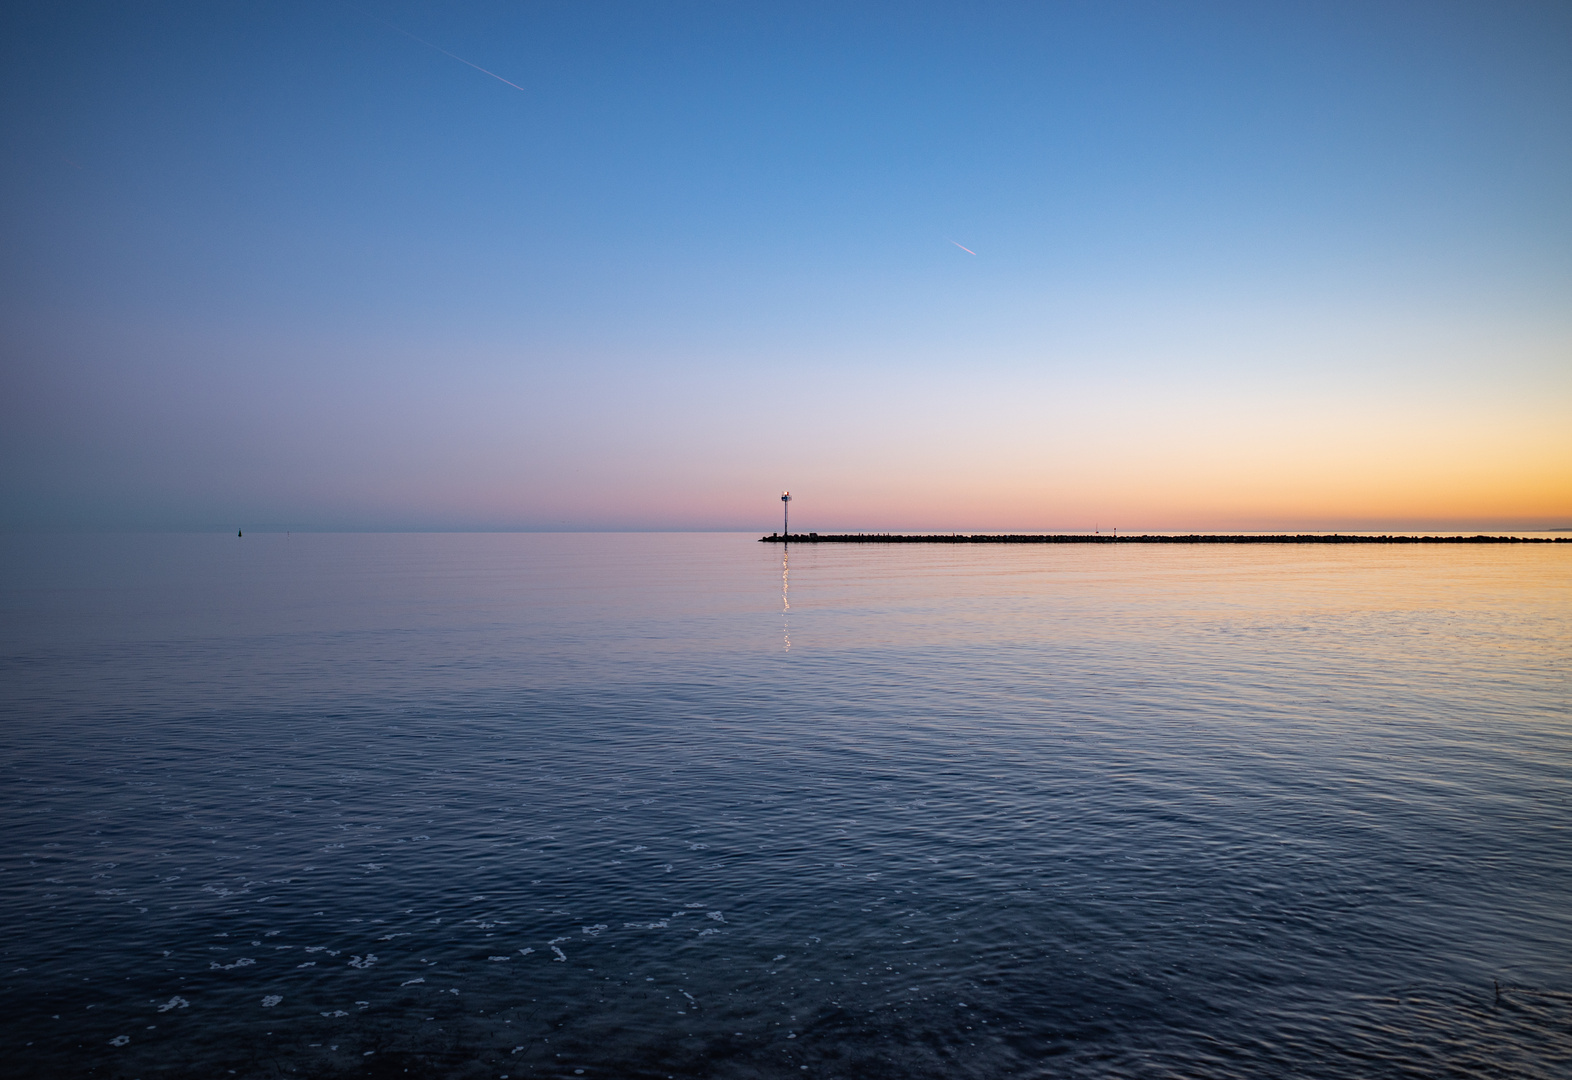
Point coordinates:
[(785, 515)]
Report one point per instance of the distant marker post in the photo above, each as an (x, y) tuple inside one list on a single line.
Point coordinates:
[(785, 514)]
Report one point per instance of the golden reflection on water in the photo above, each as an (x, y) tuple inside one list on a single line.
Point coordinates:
[(786, 596)]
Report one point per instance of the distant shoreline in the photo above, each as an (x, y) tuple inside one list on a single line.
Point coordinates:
[(1194, 538)]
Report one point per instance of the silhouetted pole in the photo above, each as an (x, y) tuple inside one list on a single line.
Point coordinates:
[(785, 513)]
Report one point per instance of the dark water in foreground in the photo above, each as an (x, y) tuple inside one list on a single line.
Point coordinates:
[(602, 806)]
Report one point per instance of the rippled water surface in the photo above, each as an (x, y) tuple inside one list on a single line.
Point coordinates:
[(663, 806)]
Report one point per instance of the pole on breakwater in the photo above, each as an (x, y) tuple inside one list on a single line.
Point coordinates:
[(785, 514)]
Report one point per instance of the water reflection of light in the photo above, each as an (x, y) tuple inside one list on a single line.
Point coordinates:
[(785, 596)]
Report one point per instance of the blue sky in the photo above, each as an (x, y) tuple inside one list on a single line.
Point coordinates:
[(1236, 265)]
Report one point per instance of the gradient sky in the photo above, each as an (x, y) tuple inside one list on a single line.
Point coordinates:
[(1237, 265)]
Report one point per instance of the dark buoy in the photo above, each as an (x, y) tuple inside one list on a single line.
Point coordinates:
[(239, 533)]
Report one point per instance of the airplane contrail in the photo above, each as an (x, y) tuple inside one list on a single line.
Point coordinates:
[(963, 247), (444, 52)]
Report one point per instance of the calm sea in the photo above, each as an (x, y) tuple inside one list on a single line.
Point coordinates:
[(648, 806)]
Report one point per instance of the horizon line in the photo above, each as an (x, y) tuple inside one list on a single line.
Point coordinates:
[(287, 527)]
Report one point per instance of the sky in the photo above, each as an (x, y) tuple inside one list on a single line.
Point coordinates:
[(957, 266)]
